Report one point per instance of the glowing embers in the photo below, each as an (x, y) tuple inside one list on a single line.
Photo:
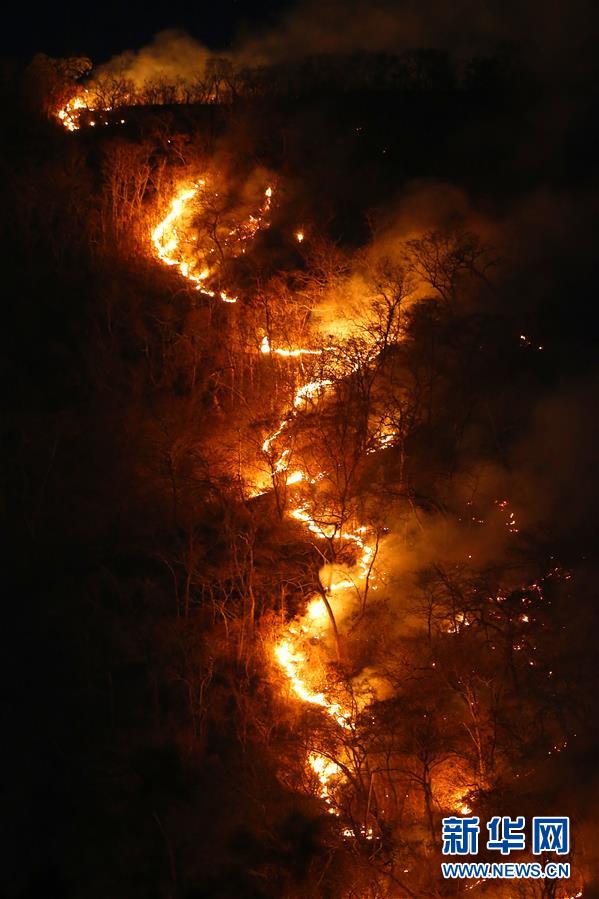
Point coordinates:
[(510, 518), (175, 244), (366, 833)]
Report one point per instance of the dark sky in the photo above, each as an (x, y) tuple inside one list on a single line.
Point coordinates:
[(563, 31), (102, 29)]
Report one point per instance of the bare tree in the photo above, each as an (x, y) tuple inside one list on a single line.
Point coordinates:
[(445, 259)]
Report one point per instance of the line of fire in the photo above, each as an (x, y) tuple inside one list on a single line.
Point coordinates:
[(300, 472)]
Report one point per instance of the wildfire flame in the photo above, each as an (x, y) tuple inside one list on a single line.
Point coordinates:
[(289, 652), (266, 348), (293, 662), (325, 770), (167, 244), (69, 114), (291, 659)]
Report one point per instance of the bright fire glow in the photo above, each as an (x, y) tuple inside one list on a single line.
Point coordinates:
[(70, 114), (292, 661), (293, 648), (167, 242), (266, 348)]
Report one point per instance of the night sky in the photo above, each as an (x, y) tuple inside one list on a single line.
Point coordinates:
[(99, 31)]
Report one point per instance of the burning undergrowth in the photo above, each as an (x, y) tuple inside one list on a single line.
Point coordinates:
[(361, 471), (206, 228)]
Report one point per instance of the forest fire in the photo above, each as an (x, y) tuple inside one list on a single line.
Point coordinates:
[(191, 260), (299, 455), (169, 245), (293, 662), (266, 349), (337, 478), (288, 652), (326, 771), (166, 240), (70, 113), (301, 649)]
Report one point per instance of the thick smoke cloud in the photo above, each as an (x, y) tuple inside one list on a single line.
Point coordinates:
[(171, 55)]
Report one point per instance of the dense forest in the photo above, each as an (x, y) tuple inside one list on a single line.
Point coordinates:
[(299, 474)]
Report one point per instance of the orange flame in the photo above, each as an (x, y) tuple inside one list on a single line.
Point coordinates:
[(167, 245)]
